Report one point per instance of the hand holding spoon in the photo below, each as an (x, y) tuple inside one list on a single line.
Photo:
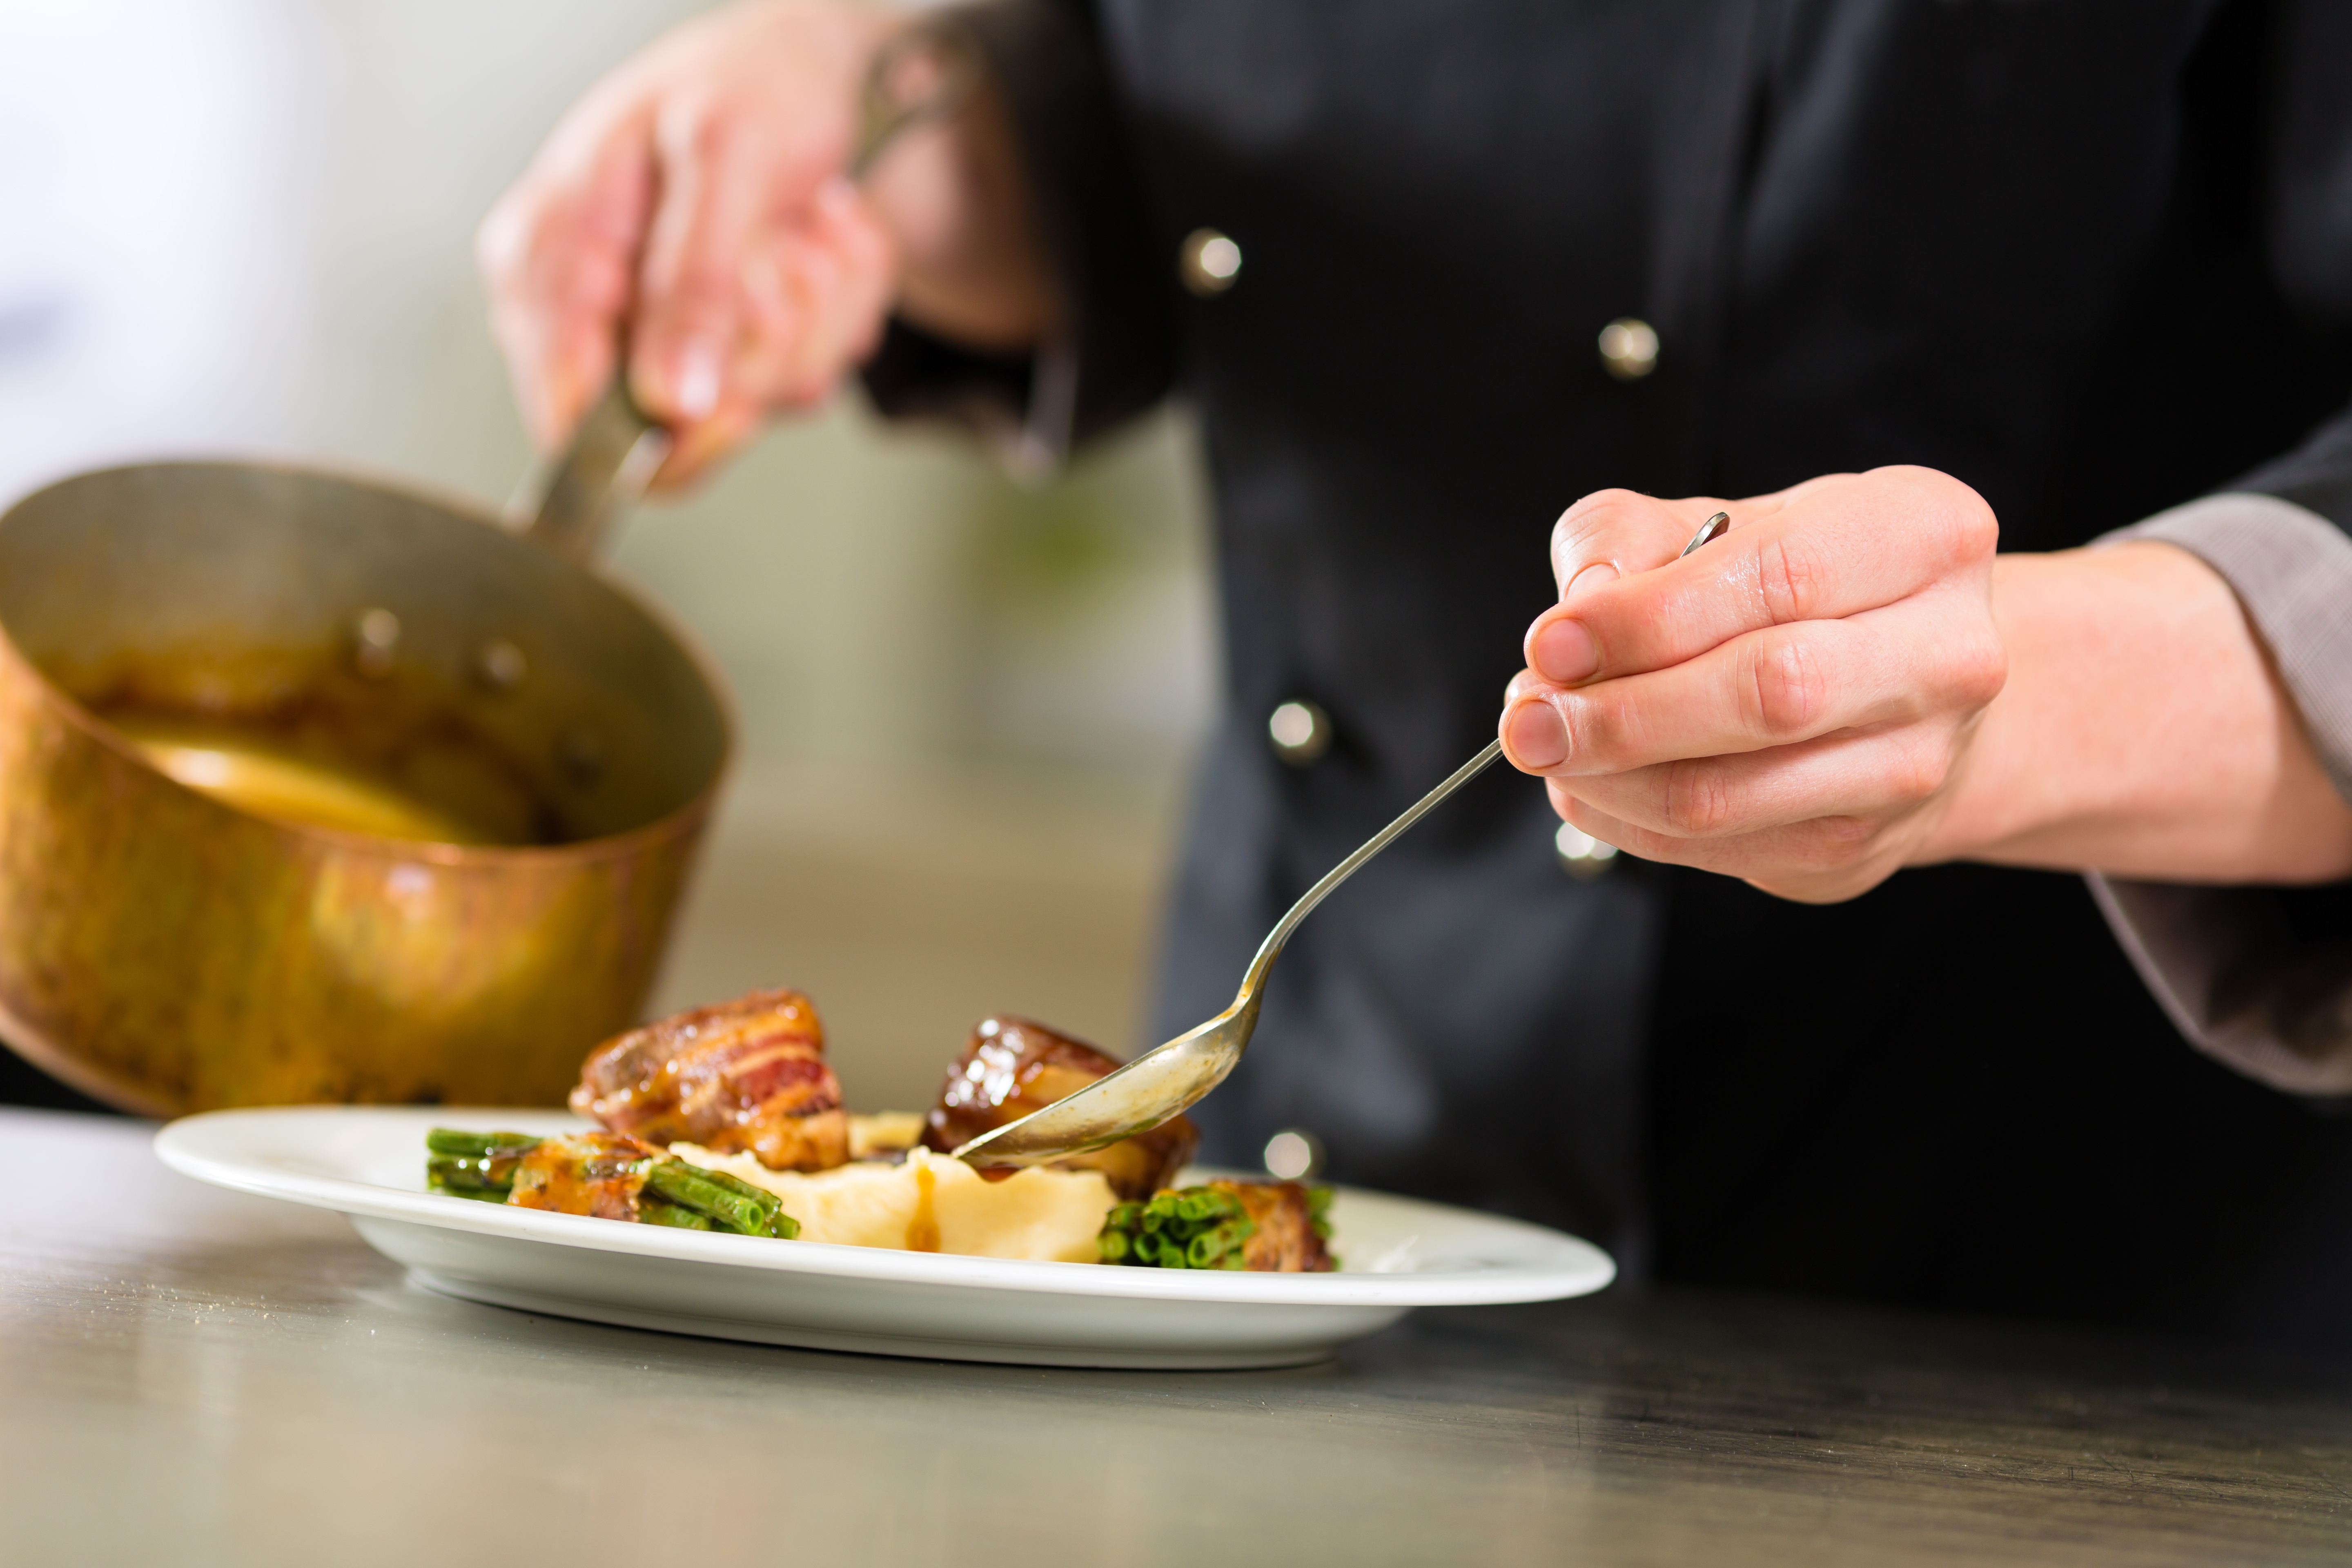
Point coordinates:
[(1171, 1078)]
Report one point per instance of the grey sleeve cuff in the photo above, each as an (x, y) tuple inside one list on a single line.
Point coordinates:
[(2261, 977), (2258, 978)]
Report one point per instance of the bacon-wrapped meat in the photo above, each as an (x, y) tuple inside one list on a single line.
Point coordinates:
[(1012, 1066), (1292, 1225), (743, 1077)]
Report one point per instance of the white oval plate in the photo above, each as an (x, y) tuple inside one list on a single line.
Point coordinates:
[(369, 1163)]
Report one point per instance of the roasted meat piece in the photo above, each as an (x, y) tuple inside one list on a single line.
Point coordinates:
[(1291, 1229), (602, 1174), (1012, 1066), (746, 1076)]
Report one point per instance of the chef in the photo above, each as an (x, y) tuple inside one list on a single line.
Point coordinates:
[(1980, 936)]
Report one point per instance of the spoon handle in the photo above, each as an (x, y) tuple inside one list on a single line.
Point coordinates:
[(1271, 947)]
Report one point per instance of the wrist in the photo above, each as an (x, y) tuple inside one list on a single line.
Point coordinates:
[(955, 200), (2142, 731)]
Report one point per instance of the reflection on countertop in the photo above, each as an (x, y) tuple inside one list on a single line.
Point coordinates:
[(194, 1376)]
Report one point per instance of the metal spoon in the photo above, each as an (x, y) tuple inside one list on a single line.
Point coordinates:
[(1172, 1079), (1167, 1080)]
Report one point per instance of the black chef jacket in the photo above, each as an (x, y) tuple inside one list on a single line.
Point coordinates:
[(2091, 257)]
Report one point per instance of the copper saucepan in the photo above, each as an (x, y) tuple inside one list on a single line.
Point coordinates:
[(411, 667), (168, 950)]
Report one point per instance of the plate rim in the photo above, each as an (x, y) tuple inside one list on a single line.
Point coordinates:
[(189, 1146)]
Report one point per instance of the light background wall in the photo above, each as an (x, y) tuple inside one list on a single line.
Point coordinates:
[(244, 226)]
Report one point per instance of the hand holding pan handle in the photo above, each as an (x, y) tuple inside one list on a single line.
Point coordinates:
[(921, 74)]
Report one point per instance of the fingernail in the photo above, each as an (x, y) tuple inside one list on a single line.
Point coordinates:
[(1535, 736), (694, 378), (1563, 652), (1598, 574)]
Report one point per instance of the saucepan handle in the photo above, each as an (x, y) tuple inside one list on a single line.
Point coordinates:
[(921, 74)]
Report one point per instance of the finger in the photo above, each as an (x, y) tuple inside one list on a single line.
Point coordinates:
[(833, 283), (696, 448), (721, 181), (1934, 652), (1818, 861), (1868, 776), (1616, 533), (849, 300), (1829, 549), (816, 293), (1608, 535), (556, 255), (795, 338)]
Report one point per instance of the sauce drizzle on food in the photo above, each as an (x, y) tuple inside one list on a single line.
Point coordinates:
[(923, 1227)]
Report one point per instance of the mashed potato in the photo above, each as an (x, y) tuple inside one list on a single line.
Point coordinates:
[(933, 1204)]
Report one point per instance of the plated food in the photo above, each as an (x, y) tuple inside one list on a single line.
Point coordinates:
[(727, 1118)]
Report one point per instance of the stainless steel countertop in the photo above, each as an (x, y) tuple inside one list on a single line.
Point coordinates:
[(190, 1376)]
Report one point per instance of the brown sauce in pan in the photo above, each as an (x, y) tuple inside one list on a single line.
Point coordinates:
[(287, 787), (298, 774)]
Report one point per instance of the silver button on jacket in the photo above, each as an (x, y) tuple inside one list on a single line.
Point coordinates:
[(1208, 262), (1301, 732), (1629, 348)]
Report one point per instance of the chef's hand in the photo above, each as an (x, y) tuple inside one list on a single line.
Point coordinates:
[(1791, 704), (694, 202)]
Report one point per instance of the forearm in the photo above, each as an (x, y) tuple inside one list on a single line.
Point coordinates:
[(971, 269), (1036, 311), (2142, 731)]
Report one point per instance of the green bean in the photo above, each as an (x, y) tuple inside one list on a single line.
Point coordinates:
[(681, 1184), (770, 1203), (1198, 1228), (452, 1179), (723, 1198), (478, 1145), (469, 1178), (658, 1211), (1224, 1242), (482, 1166)]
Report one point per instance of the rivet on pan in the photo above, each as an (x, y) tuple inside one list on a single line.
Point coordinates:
[(500, 666), (375, 638), (581, 755)]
